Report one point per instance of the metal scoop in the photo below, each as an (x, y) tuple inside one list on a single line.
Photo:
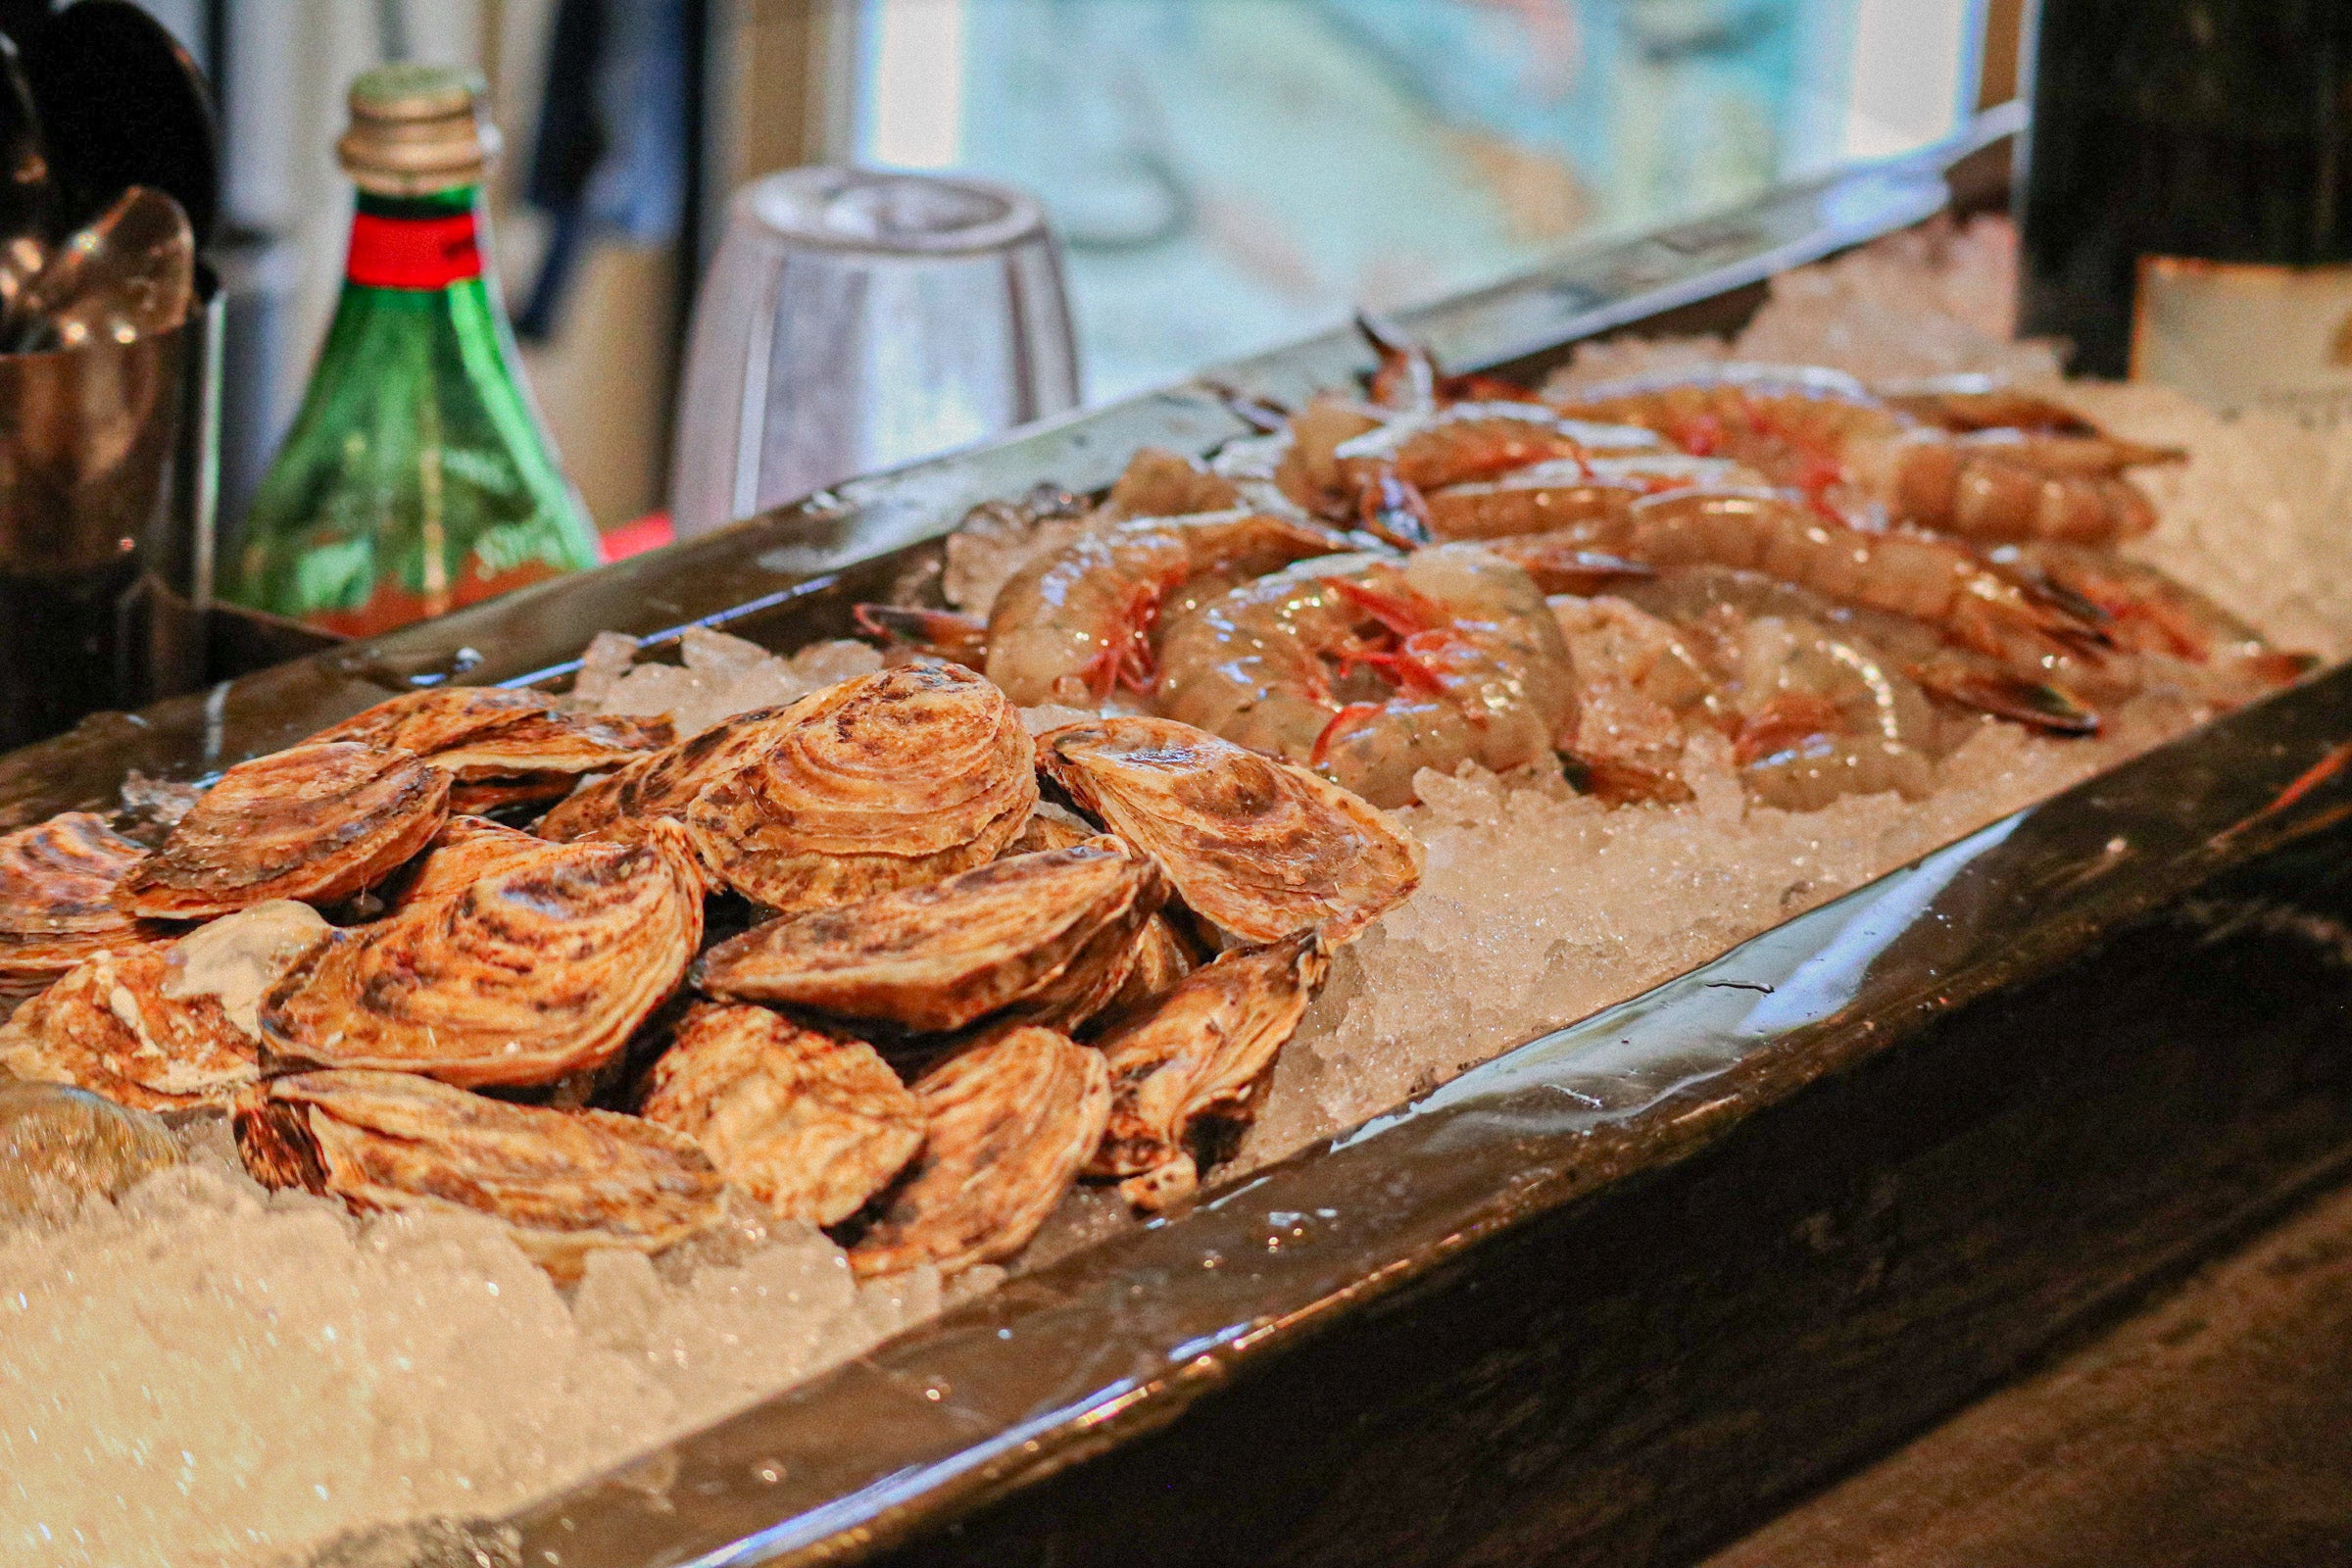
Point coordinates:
[(129, 275)]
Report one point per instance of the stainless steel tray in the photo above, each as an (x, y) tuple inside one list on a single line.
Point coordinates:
[(1608, 1296)]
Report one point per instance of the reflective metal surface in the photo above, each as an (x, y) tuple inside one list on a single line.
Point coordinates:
[(1117, 1341)]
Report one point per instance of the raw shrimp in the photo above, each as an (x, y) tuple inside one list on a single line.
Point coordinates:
[(1933, 579), (1561, 491), (1368, 668), (1467, 442), (1812, 710), (1826, 435), (1958, 675), (2153, 616), (1071, 626), (1409, 381)]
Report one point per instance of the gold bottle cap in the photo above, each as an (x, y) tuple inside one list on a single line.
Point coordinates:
[(417, 130)]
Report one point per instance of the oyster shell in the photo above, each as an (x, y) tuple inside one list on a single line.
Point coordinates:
[(317, 823), (1204, 1050), (1007, 1126), (1048, 827), (810, 1125), (534, 972), (881, 782), (1161, 958), (236, 958), (562, 1182), (89, 1146), (501, 745), (56, 883), (665, 783), (1262, 847), (109, 1027), (467, 850), (937, 958), (1154, 961)]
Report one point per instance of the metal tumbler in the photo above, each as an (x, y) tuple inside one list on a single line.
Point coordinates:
[(856, 321), (104, 524)]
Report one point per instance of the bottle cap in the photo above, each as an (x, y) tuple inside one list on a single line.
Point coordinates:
[(415, 130)]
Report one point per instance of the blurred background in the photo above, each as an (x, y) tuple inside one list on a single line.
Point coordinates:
[(1226, 174)]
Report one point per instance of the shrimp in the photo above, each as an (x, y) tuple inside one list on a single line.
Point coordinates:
[(1408, 379), (1811, 711), (1560, 492), (1368, 668), (1072, 625), (1959, 675), (1159, 484), (1467, 442), (2153, 616), (1969, 402), (1827, 436), (1929, 578)]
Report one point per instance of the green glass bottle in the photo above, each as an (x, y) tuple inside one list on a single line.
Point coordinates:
[(417, 476)]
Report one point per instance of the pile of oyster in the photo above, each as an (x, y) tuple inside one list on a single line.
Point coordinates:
[(964, 968)]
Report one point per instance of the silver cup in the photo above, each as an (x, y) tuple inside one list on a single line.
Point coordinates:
[(856, 321)]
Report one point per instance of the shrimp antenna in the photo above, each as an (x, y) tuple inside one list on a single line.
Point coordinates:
[(1260, 413)]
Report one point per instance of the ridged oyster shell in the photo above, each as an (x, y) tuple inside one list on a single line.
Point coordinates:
[(1202, 1050), (315, 822), (937, 958), (808, 1124), (1262, 847), (665, 783), (532, 973), (109, 1027), (1159, 956), (467, 850), (51, 1133), (1007, 1126), (56, 883), (501, 745), (884, 781), (562, 1182)]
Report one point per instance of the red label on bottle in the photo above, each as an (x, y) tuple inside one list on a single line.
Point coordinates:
[(413, 252)]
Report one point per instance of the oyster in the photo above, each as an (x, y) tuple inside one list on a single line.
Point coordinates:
[(56, 883), (562, 1182), (1161, 958), (1007, 1126), (536, 971), (1154, 961), (665, 783), (1262, 847), (1048, 827), (467, 850), (1202, 1051), (317, 823), (498, 745), (88, 1145), (881, 782), (1021, 930), (236, 958), (811, 1126), (110, 1027)]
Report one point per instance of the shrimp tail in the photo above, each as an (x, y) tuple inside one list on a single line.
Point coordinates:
[(2005, 695), (1408, 378), (1264, 414), (943, 633)]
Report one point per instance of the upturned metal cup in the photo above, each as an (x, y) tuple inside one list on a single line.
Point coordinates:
[(104, 523), (857, 320)]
